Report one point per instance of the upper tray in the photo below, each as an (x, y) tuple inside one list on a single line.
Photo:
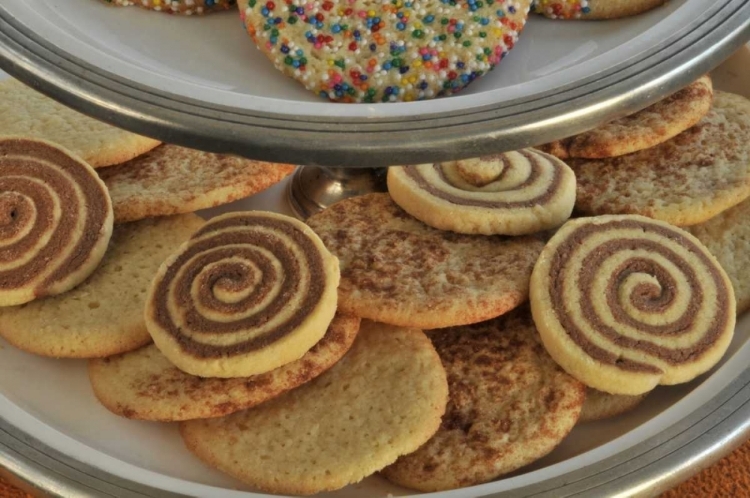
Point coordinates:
[(202, 83)]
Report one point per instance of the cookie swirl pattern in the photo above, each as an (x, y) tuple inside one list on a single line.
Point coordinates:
[(624, 303), (55, 220), (248, 293), (514, 193)]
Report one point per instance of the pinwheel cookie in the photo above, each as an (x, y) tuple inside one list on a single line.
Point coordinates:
[(514, 193), (55, 220), (248, 293), (360, 51), (593, 9), (600, 405), (625, 303)]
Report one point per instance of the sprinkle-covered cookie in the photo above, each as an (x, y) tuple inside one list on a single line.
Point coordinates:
[(625, 303), (647, 128), (103, 315), (383, 399), (395, 269), (185, 7), (144, 385), (684, 181), (514, 193), (395, 50), (509, 405), (248, 293), (172, 179), (55, 220), (592, 9)]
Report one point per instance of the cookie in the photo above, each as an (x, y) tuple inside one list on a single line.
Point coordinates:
[(644, 129), (625, 303), (171, 180), (395, 269), (26, 112), (144, 385), (55, 220), (386, 52), (727, 237), (248, 293), (185, 7), (593, 9), (509, 405), (103, 315), (383, 399), (514, 193), (683, 181), (600, 405)]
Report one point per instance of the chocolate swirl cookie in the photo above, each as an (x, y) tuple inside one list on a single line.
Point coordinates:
[(514, 193), (55, 220), (624, 303), (248, 293)]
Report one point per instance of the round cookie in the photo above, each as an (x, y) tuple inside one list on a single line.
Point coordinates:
[(727, 237), (185, 7), (600, 405), (383, 399), (514, 193), (55, 220), (395, 269), (644, 129), (509, 405), (248, 293), (26, 112), (625, 303), (683, 181), (593, 9), (103, 315), (144, 385), (398, 50), (172, 179)]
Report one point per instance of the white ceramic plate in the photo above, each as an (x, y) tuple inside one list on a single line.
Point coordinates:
[(201, 82), (52, 400)]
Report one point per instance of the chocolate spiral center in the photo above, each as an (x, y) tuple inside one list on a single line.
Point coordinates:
[(241, 284), (655, 287)]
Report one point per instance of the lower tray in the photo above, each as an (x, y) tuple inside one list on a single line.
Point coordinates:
[(56, 439)]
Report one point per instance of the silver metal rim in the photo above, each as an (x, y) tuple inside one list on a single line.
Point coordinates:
[(647, 469), (626, 87)]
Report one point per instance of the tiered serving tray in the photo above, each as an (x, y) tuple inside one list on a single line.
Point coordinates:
[(56, 439)]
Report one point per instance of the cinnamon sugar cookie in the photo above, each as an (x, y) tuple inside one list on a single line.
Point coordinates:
[(103, 315), (383, 399), (514, 193), (625, 303), (600, 405), (593, 9), (26, 112), (727, 236), (395, 269), (144, 385), (683, 181), (185, 7), (248, 293), (55, 220), (509, 405), (172, 179), (644, 129)]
